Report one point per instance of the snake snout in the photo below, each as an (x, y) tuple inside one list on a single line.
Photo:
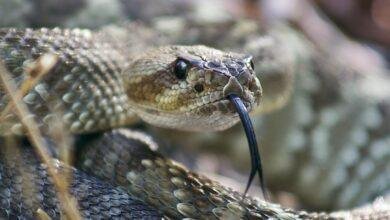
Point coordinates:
[(246, 86), (233, 87), (236, 76)]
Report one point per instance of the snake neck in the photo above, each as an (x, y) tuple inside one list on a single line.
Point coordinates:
[(83, 92)]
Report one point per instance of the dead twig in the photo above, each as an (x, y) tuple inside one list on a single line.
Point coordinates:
[(35, 71)]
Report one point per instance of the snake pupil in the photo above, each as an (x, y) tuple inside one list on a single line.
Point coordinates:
[(181, 69)]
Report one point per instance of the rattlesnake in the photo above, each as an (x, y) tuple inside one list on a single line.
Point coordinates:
[(82, 53)]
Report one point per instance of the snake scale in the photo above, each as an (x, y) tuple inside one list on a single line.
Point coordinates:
[(105, 64)]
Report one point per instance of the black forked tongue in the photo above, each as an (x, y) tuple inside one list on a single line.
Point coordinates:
[(252, 142)]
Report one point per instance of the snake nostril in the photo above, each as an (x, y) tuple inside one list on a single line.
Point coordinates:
[(199, 88)]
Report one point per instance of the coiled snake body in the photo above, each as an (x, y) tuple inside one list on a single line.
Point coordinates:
[(94, 86)]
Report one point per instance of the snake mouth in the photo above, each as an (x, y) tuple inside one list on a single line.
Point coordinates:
[(222, 106), (247, 102)]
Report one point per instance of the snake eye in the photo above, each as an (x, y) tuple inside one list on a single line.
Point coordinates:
[(181, 69)]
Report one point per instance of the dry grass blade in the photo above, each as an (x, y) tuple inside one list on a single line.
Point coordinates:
[(63, 141), (42, 215), (67, 202), (35, 71)]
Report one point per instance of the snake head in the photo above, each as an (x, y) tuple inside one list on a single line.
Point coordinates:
[(186, 87)]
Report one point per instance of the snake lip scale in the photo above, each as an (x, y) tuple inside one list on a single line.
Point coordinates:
[(231, 108)]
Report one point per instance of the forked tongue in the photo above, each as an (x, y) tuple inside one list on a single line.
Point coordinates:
[(252, 143)]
